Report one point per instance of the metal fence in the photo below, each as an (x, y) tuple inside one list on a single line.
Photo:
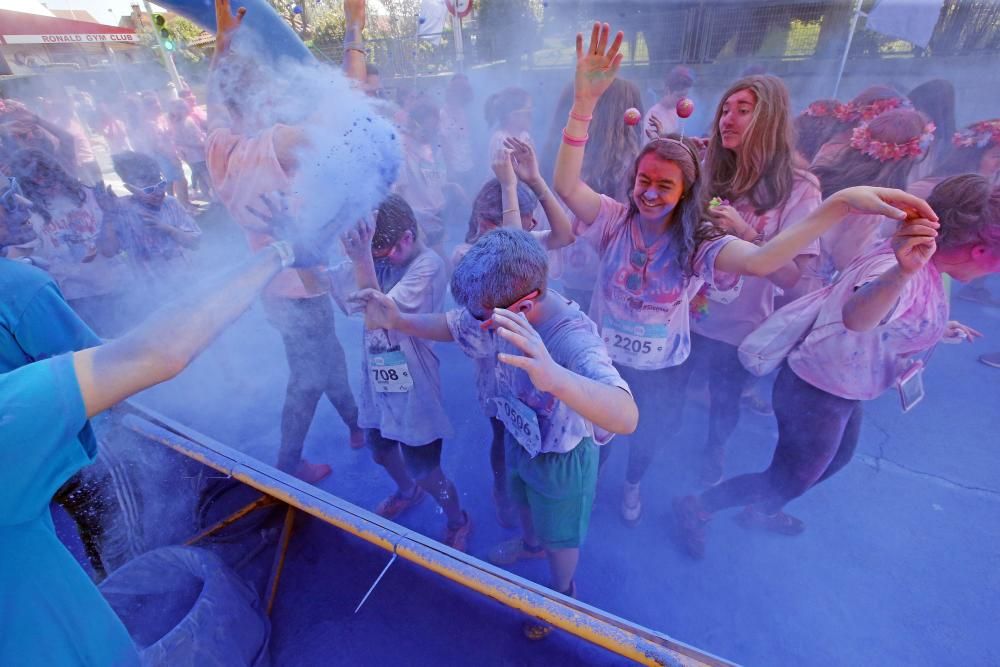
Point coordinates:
[(538, 35)]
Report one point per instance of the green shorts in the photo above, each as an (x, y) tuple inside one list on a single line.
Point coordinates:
[(557, 488)]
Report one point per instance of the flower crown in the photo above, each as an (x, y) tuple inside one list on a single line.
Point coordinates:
[(824, 110), (853, 112), (978, 135), (10, 106), (884, 151)]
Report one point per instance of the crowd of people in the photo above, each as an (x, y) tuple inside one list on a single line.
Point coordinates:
[(796, 262)]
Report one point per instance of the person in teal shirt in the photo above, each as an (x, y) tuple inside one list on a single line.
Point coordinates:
[(36, 323), (50, 611)]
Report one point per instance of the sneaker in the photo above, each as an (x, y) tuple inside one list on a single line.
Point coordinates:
[(397, 503), (535, 629), (691, 520), (511, 551), (357, 438), (506, 511), (311, 473), (752, 517), (711, 466), (991, 359), (457, 537), (631, 504)]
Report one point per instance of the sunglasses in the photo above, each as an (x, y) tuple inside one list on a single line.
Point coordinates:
[(9, 197), (534, 294), (150, 189)]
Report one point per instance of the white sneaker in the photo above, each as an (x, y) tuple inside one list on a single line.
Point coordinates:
[(631, 504)]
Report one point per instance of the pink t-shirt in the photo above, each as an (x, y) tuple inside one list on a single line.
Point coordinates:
[(642, 295), (731, 322), (862, 365), (242, 169), (848, 240)]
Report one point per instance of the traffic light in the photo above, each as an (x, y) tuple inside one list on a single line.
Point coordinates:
[(160, 22)]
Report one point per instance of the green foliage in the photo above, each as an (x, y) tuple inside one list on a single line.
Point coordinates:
[(182, 28)]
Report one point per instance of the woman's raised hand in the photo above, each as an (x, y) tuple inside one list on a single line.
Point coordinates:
[(597, 67)]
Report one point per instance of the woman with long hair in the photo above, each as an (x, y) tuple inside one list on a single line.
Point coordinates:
[(657, 250), (815, 126), (875, 330), (750, 162), (881, 153), (870, 103)]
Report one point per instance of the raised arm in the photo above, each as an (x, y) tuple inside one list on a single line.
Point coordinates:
[(357, 243), (595, 72), (170, 339), (503, 168), (746, 258), (525, 164), (382, 312), (355, 56), (913, 244)]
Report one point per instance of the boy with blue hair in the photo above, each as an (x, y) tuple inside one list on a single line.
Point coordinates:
[(558, 393)]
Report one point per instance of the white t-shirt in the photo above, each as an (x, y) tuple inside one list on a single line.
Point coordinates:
[(415, 417)]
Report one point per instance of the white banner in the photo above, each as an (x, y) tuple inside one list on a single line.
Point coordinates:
[(99, 38)]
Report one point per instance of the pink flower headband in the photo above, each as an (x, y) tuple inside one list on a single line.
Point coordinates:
[(884, 151), (852, 112), (824, 110), (978, 135)]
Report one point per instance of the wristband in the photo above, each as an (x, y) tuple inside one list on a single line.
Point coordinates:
[(511, 210), (583, 119), (356, 46), (570, 140), (285, 253)]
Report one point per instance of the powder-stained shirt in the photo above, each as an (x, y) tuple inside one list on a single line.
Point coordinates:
[(243, 168), (862, 365), (731, 322), (416, 417), (52, 612), (642, 298), (573, 343), (849, 239), (69, 243), (151, 252)]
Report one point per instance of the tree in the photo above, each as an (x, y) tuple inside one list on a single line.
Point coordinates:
[(184, 29)]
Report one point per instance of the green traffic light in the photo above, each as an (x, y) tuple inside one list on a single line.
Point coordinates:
[(168, 45)]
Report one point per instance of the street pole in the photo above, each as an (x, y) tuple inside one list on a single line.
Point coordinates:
[(847, 48), (168, 56), (456, 26)]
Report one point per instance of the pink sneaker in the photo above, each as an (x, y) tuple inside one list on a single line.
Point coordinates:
[(458, 537), (691, 520), (312, 472), (784, 524), (397, 503)]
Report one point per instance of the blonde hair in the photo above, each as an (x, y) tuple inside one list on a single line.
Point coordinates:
[(764, 168)]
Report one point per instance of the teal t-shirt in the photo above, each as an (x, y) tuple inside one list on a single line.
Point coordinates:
[(50, 611), (35, 321)]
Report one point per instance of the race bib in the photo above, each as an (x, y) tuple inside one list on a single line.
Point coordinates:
[(634, 344), (521, 422), (389, 372)]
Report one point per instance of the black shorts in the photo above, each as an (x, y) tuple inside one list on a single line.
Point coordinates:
[(420, 461)]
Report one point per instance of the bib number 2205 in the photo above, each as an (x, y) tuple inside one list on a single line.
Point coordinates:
[(521, 422)]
